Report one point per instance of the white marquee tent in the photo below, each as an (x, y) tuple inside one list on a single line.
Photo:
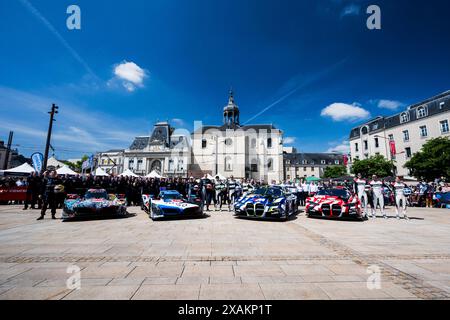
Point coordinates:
[(153, 174), (52, 162), (66, 170), (21, 170), (128, 173), (99, 172)]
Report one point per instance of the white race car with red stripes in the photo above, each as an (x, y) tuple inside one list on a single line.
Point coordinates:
[(334, 203)]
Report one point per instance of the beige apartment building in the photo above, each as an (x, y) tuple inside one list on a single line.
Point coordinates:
[(399, 136)]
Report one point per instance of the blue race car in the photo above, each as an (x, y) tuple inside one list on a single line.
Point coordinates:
[(272, 202), (95, 203), (170, 203)]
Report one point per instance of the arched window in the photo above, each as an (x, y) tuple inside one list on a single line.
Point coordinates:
[(364, 130), (404, 117), (421, 112), (270, 164), (269, 142), (228, 164)]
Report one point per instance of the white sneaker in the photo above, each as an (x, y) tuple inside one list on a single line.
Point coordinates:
[(385, 216), (398, 217), (406, 218)]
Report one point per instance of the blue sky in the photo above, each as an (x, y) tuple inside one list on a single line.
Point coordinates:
[(313, 62)]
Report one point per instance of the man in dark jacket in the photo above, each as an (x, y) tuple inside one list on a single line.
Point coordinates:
[(48, 195)]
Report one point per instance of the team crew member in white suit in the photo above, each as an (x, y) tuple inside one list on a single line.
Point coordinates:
[(378, 197), (399, 187), (360, 189)]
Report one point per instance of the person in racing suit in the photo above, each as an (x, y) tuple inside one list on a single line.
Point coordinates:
[(399, 188), (360, 189), (206, 186), (220, 189), (233, 188), (378, 197)]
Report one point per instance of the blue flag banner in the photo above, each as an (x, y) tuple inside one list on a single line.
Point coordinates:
[(38, 160)]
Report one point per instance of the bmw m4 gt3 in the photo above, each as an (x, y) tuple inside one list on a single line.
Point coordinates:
[(334, 203), (170, 203), (267, 202)]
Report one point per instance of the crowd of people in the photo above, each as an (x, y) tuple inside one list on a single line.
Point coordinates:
[(48, 190)]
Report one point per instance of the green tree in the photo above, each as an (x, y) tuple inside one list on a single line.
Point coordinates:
[(378, 165), (334, 172), (76, 166), (432, 161)]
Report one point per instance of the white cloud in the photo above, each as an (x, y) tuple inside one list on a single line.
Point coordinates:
[(289, 140), (129, 74), (345, 112), (343, 148), (351, 10), (389, 104), (178, 122)]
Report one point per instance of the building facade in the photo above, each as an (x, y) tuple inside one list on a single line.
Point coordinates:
[(399, 136), (302, 165), (232, 149), (111, 161), (165, 151)]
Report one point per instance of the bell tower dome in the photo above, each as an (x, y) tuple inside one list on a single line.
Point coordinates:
[(231, 113)]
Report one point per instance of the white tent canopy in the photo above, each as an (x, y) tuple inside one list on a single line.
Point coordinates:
[(153, 174), (221, 177), (128, 173), (66, 170), (99, 172), (23, 168), (52, 162)]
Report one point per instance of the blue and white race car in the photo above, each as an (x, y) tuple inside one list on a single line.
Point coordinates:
[(169, 203), (267, 202)]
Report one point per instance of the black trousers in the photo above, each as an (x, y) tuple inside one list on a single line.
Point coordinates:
[(49, 203)]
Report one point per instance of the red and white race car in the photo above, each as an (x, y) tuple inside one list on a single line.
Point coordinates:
[(334, 203)]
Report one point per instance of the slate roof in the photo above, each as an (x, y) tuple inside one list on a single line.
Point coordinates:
[(312, 158), (433, 106)]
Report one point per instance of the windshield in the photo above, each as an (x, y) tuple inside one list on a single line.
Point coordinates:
[(100, 194), (341, 193), (171, 196), (274, 192)]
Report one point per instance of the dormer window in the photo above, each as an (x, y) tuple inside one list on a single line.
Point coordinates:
[(404, 117), (422, 112), (364, 130)]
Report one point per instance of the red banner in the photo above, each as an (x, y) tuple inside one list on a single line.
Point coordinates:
[(13, 194), (392, 147)]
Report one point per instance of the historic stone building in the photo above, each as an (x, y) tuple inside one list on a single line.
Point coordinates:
[(302, 165), (399, 136), (166, 151), (232, 149)]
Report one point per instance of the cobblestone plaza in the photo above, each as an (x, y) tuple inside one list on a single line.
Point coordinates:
[(221, 257)]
